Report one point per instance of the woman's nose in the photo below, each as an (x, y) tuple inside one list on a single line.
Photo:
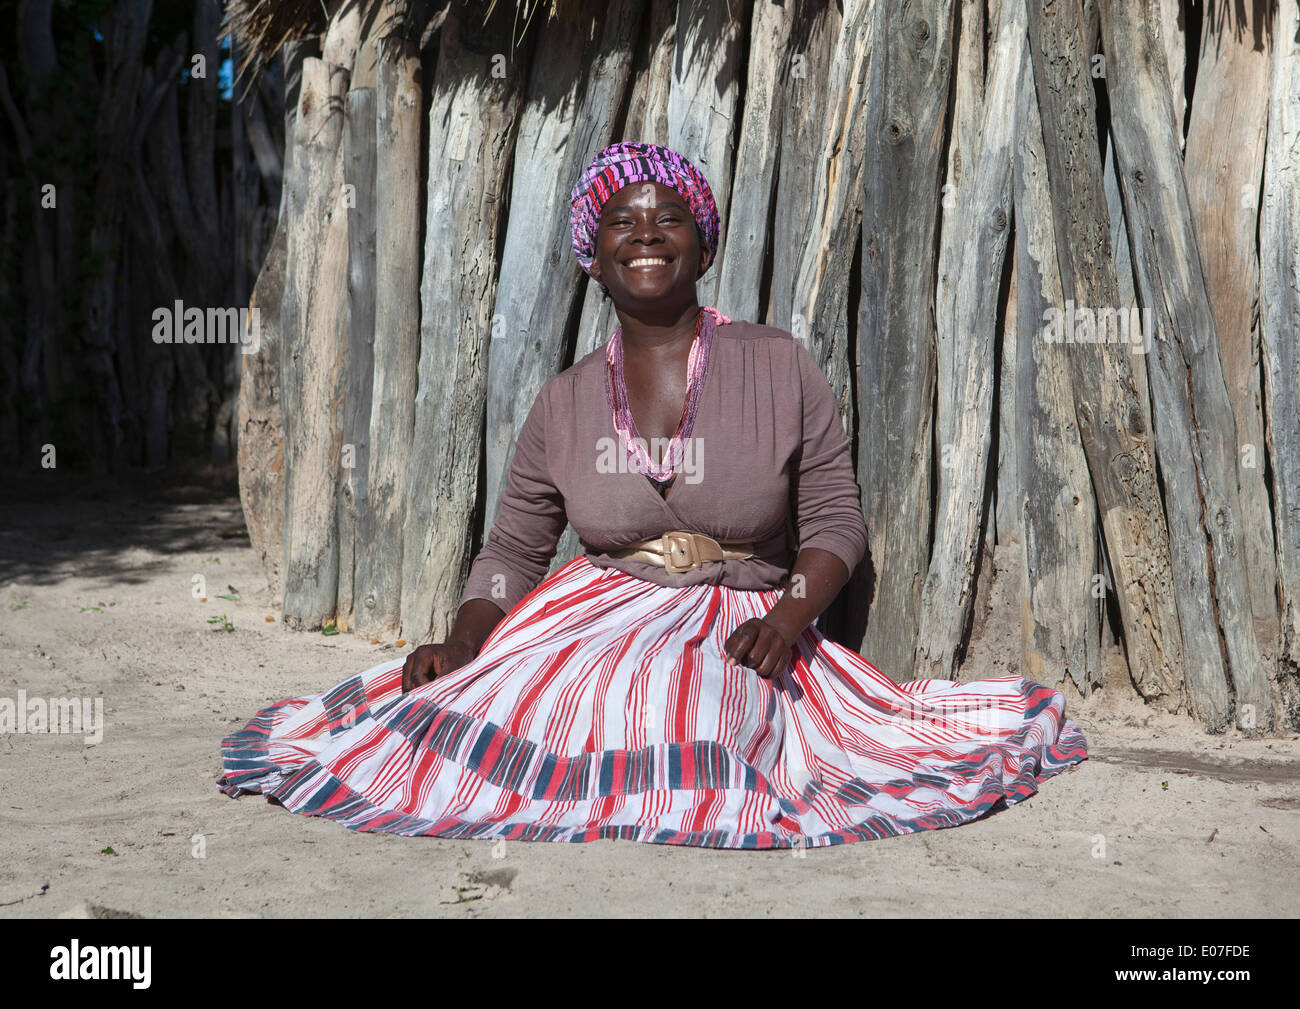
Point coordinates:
[(646, 230)]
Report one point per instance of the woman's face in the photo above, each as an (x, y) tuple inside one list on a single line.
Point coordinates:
[(648, 246)]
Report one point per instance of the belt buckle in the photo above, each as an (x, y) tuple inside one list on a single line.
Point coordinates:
[(679, 544)]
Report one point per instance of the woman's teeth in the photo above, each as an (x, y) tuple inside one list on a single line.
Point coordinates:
[(647, 262)]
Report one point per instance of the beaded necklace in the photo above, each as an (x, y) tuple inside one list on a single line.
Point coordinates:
[(616, 396)]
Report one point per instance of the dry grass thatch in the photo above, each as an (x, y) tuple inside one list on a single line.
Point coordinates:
[(261, 27)]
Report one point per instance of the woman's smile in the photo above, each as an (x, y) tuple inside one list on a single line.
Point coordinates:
[(643, 269)]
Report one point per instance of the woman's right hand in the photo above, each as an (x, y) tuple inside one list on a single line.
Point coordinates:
[(428, 662)]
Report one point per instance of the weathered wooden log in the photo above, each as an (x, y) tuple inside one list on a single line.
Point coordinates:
[(1127, 300), (243, 208), (207, 276), (168, 146), (36, 40), (11, 451), (907, 104), (474, 113), (1279, 297), (151, 373), (965, 372), (365, 67), (647, 110), (69, 260), (1091, 28), (567, 118), (397, 336), (260, 444), (243, 220), (144, 227), (1005, 519), (702, 107), (314, 349), (259, 449), (40, 274), (1108, 410), (265, 149), (343, 36), (1001, 490), (967, 101), (746, 226), (1166, 18), (1060, 618), (125, 29), (812, 38), (1222, 165), (359, 157), (359, 166), (26, 351), (820, 305), (1127, 296), (963, 150), (1119, 243), (1195, 430)]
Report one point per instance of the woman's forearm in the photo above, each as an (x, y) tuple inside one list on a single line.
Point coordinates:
[(474, 622), (815, 580)]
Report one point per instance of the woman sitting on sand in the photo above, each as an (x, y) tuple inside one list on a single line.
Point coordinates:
[(668, 685)]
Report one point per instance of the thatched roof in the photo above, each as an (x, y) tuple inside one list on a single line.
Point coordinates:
[(261, 27)]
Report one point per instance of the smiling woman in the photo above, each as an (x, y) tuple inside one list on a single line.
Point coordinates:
[(668, 685)]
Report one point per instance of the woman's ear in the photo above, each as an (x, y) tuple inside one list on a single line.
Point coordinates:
[(706, 254), (706, 259)]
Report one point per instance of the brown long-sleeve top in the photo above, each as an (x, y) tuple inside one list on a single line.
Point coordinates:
[(767, 460)]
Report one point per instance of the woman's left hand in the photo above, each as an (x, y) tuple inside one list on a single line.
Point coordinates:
[(760, 646)]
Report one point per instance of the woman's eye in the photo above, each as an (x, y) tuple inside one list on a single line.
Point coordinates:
[(620, 222)]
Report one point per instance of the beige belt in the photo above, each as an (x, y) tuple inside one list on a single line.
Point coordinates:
[(677, 550)]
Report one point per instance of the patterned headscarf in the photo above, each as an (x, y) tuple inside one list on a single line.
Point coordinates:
[(620, 164)]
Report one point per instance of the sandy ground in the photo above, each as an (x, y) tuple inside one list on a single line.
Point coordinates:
[(95, 601)]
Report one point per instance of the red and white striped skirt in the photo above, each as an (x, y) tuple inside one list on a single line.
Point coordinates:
[(601, 707)]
